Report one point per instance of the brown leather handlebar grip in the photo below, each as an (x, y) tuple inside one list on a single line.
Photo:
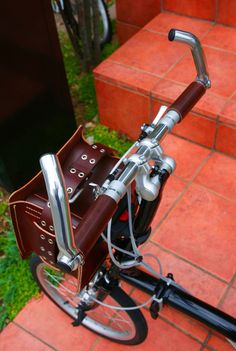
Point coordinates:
[(186, 101), (93, 223)]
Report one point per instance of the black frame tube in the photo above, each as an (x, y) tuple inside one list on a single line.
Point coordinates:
[(182, 301)]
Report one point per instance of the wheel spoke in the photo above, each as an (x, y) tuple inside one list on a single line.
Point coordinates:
[(116, 325)]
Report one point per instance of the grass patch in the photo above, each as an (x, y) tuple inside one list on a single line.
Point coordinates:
[(16, 283), (111, 138), (82, 86)]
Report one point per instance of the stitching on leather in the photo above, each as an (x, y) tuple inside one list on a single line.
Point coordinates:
[(33, 210), (32, 214), (18, 229)]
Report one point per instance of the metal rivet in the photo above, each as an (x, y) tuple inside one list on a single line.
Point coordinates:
[(92, 161), (43, 223), (50, 253), (48, 204), (84, 157), (51, 228), (94, 147), (42, 248), (42, 236), (50, 241), (72, 170), (102, 150), (81, 175), (69, 190)]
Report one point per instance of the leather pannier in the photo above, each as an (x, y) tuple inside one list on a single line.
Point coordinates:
[(81, 165)]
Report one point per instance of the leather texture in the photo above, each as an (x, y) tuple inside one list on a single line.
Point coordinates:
[(31, 215)]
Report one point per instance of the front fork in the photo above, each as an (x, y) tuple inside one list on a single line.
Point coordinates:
[(167, 292)]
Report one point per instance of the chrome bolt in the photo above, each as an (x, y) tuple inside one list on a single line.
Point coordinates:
[(43, 223), (94, 147), (50, 253), (42, 248), (72, 170), (102, 150), (50, 241), (42, 236), (51, 228), (84, 157), (81, 175), (92, 161)]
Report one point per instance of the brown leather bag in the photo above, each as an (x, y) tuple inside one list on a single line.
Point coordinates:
[(81, 164)]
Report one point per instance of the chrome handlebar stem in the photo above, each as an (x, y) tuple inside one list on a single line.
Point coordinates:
[(197, 53)]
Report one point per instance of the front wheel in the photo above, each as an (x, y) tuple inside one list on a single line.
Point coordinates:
[(125, 327)]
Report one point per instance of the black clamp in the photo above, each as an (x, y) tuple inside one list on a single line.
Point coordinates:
[(159, 298), (80, 315)]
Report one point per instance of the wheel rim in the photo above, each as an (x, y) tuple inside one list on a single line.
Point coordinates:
[(102, 320)]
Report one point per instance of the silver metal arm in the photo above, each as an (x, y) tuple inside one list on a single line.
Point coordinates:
[(197, 52), (59, 204)]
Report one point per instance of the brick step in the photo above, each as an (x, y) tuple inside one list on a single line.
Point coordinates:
[(148, 71)]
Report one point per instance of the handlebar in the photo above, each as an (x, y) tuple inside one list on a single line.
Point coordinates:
[(104, 207), (197, 53)]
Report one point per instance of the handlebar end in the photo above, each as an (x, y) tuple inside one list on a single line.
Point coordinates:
[(171, 34)]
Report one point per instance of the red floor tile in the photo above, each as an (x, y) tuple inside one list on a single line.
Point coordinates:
[(188, 156), (197, 282), (198, 129), (219, 175), (201, 229), (124, 76), (210, 104), (229, 304), (226, 139), (161, 337), (121, 109), (137, 13), (204, 9), (42, 318), (165, 21), (125, 31), (14, 338), (221, 37), (172, 190), (228, 114), (219, 344), (221, 67), (194, 280), (150, 52), (227, 12)]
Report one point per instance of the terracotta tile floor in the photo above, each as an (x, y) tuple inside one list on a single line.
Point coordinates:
[(194, 237)]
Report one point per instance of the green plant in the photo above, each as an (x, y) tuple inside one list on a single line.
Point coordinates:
[(16, 283), (104, 135)]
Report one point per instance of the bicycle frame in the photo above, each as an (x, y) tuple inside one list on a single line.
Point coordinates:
[(181, 300), (164, 289)]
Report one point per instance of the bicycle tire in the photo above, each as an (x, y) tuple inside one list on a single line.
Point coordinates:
[(107, 35), (104, 15), (134, 322)]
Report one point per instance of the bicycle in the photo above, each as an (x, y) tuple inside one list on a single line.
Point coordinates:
[(69, 10), (87, 225)]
